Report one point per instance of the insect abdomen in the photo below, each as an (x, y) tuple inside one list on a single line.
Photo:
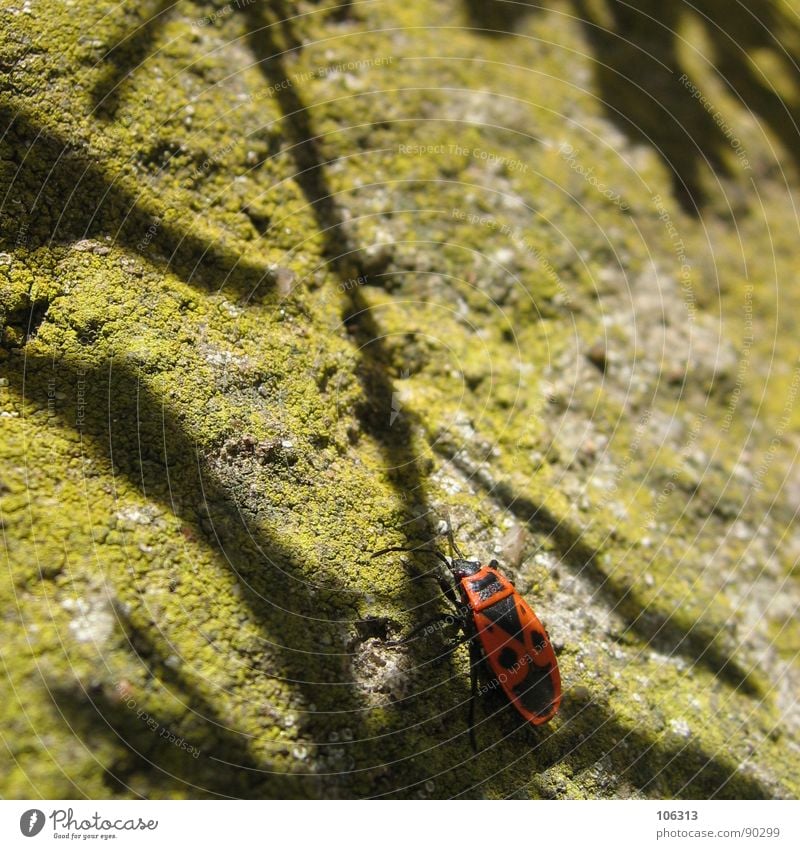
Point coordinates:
[(516, 645)]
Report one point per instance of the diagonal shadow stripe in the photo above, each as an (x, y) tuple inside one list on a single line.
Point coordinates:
[(669, 634), (224, 766), (271, 38), (661, 769), (148, 471), (51, 178), (127, 55), (127, 423), (636, 47)]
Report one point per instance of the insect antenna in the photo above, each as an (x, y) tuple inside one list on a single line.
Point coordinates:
[(450, 538), (432, 551)]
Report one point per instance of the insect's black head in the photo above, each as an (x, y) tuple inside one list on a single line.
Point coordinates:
[(462, 568)]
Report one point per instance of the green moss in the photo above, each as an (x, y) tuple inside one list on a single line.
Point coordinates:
[(199, 458)]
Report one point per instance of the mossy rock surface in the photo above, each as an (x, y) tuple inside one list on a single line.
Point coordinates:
[(283, 284)]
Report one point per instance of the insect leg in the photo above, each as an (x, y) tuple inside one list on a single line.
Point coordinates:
[(449, 592), (474, 663), (432, 551), (440, 617), (454, 644), (447, 653)]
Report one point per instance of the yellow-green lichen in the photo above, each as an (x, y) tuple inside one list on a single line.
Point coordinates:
[(211, 419)]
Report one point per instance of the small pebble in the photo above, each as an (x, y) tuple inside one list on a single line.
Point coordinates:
[(598, 356)]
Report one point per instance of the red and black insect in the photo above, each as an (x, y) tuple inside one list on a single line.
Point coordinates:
[(502, 631)]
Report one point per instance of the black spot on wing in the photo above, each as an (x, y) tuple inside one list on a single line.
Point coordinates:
[(538, 640), (536, 691), (504, 613), (507, 657)]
